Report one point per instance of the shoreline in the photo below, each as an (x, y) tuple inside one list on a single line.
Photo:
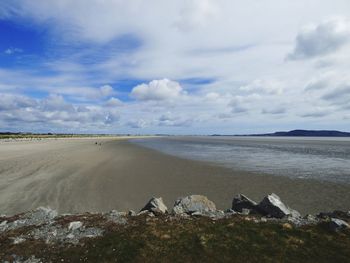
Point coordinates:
[(80, 176)]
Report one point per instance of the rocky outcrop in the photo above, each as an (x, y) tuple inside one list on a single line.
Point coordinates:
[(155, 205), (273, 206), (35, 217), (193, 204), (44, 224)]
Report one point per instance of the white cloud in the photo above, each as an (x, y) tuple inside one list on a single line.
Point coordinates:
[(157, 90), (263, 86), (322, 39), (197, 13), (106, 90), (113, 102), (11, 51)]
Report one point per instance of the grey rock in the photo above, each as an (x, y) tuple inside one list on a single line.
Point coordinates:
[(245, 211), (39, 216), (337, 224), (263, 219), (241, 202), (18, 240), (335, 214), (155, 205), (193, 203), (75, 225), (146, 212), (132, 213), (311, 219), (273, 206)]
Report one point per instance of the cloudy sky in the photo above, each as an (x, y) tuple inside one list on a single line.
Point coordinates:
[(180, 67)]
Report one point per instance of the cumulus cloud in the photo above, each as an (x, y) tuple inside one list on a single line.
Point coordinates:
[(340, 95), (174, 121), (15, 101), (157, 90), (11, 51), (113, 102), (106, 90), (324, 38), (245, 104), (137, 124), (263, 86), (52, 112), (197, 13)]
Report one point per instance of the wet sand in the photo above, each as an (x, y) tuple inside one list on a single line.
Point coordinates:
[(76, 175)]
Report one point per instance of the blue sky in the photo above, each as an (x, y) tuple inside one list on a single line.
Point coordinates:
[(181, 67)]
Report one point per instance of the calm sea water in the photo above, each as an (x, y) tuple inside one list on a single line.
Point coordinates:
[(326, 159)]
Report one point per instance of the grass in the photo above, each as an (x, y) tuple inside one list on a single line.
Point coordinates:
[(165, 239)]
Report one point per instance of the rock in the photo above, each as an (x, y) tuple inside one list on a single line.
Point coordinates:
[(75, 225), (193, 203), (40, 215), (335, 214), (132, 213), (337, 224), (287, 226), (146, 212), (245, 211), (18, 240), (263, 219), (241, 202), (311, 219), (155, 205), (273, 206)]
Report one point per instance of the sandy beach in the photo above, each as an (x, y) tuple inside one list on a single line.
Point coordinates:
[(78, 175)]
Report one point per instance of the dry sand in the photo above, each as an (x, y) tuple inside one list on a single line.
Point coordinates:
[(76, 175)]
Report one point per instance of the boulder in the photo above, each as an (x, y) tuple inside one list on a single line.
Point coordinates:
[(337, 224), (193, 204), (155, 205), (75, 225), (241, 202), (273, 206), (131, 213)]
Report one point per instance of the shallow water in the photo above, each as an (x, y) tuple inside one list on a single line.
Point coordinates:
[(326, 159)]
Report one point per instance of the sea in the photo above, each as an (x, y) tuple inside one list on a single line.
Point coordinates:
[(320, 158)]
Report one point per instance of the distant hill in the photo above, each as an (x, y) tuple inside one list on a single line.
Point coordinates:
[(308, 133)]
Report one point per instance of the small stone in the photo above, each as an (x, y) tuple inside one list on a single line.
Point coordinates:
[(18, 240), (287, 226), (165, 237), (75, 225), (245, 211), (70, 236), (132, 213)]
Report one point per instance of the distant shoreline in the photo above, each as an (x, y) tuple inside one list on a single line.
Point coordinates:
[(298, 133)]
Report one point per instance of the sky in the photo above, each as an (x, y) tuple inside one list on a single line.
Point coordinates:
[(177, 67)]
